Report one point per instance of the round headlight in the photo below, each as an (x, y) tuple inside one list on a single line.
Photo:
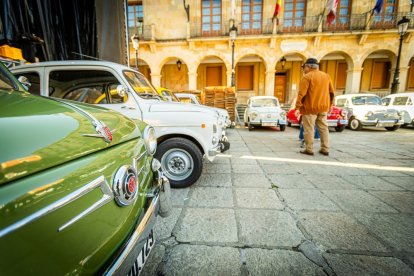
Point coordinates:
[(150, 140), (344, 113), (370, 113)]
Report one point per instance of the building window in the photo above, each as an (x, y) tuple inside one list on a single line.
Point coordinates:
[(343, 10), (251, 22), (293, 17), (135, 15), (381, 75), (245, 78), (387, 16), (211, 17)]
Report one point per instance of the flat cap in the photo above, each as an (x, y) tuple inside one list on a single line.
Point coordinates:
[(311, 61)]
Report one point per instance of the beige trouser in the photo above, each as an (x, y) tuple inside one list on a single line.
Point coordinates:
[(309, 130)]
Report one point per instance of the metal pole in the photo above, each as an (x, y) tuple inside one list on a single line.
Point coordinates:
[(395, 82), (232, 63)]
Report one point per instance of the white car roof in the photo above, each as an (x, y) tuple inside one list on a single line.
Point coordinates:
[(113, 65), (184, 95), (407, 94), (354, 95), (262, 97)]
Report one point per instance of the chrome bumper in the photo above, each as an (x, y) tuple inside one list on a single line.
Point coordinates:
[(160, 204), (334, 123), (382, 123), (222, 146)]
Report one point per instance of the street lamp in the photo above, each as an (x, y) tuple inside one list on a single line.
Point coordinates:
[(283, 62), (233, 35), (402, 30), (135, 45)]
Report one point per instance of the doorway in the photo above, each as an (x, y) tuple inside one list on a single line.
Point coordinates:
[(280, 86)]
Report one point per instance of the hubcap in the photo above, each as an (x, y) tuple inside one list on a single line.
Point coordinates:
[(354, 124), (177, 164)]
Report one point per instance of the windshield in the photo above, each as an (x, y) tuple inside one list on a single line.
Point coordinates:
[(169, 95), (264, 102), (369, 100), (141, 85)]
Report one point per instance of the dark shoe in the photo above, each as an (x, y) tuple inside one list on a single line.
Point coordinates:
[(306, 152), (326, 153)]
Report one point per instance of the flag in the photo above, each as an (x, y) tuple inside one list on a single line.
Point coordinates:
[(378, 6), (331, 7), (277, 10)]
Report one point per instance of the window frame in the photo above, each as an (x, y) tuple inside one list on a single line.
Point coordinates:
[(211, 31), (251, 22)]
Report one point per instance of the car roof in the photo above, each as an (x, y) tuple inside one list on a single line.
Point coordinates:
[(408, 94), (74, 63), (262, 97), (355, 94)]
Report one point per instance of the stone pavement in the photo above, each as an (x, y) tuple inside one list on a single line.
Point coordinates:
[(264, 209)]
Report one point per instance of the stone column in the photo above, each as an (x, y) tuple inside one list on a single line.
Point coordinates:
[(192, 80), (270, 82), (403, 79), (156, 79), (228, 73), (353, 80)]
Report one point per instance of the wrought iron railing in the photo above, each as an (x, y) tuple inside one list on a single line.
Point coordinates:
[(309, 24)]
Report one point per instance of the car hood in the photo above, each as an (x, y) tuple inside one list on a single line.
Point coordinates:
[(38, 133), (178, 107), (267, 110)]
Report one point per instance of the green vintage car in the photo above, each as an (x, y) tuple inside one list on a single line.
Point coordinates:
[(79, 188)]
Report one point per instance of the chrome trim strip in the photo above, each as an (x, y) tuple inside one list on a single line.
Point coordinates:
[(98, 182), (135, 237)]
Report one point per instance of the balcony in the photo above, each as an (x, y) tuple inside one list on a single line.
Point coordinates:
[(309, 24)]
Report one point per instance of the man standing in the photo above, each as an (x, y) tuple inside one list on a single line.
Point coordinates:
[(315, 98)]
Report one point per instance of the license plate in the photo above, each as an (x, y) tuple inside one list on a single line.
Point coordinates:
[(334, 124), (268, 124), (385, 124), (344, 122), (143, 255)]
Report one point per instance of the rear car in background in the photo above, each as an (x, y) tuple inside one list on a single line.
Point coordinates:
[(336, 118), (404, 103), (366, 110), (80, 191), (264, 111)]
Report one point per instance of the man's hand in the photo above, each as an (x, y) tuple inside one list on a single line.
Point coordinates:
[(297, 112)]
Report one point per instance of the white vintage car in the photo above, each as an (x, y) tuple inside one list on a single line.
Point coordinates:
[(403, 102), (193, 99), (264, 111), (367, 110), (184, 133)]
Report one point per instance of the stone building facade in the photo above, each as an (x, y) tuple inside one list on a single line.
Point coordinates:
[(359, 49)]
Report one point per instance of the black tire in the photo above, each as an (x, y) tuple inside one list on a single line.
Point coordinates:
[(393, 128), (354, 124), (282, 127), (289, 124), (339, 128), (250, 126), (181, 161), (245, 124)]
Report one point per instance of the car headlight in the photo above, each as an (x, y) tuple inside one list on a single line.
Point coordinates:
[(155, 165), (254, 115), (370, 113), (344, 113), (283, 114), (214, 140), (150, 140)]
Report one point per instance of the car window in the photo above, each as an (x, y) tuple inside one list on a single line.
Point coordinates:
[(34, 80), (366, 100), (88, 86), (400, 100), (141, 85), (264, 103), (5, 82), (340, 102), (386, 101), (169, 95), (186, 100)]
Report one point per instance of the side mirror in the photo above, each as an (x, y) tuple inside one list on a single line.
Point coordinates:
[(25, 82), (121, 90)]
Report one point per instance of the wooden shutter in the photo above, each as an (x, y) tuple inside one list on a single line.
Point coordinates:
[(213, 76), (245, 77), (410, 82), (380, 74), (341, 75)]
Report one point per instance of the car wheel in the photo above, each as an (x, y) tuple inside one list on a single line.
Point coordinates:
[(393, 128), (181, 161), (354, 124), (282, 127), (245, 124), (340, 128), (250, 126)]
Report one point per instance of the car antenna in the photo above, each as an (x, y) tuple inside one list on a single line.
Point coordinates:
[(82, 55)]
